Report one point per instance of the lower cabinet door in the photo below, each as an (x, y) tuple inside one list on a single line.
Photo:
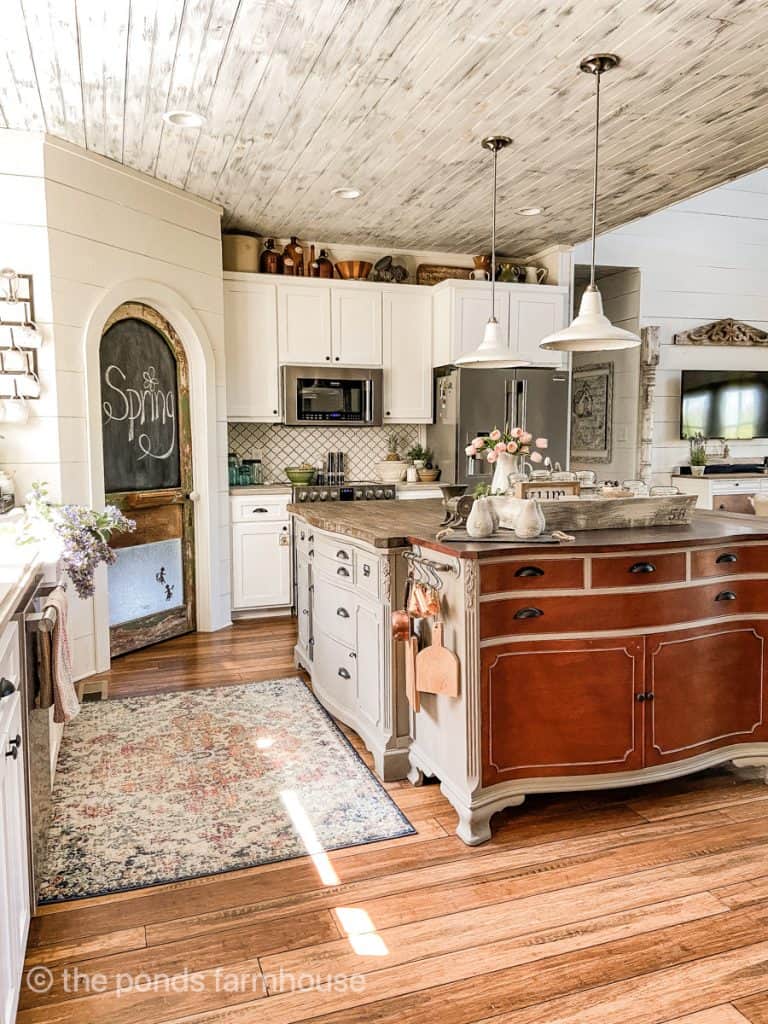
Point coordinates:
[(334, 673), (303, 603), (708, 688), (261, 565), (562, 708), (369, 638)]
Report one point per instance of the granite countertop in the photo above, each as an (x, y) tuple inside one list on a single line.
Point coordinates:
[(395, 524)]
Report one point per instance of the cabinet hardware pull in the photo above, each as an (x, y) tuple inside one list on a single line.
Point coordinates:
[(6, 687), (530, 570), (352, 654), (649, 696), (342, 571), (302, 535), (726, 558), (366, 570), (641, 697), (311, 538), (342, 613), (311, 553), (14, 746), (642, 567), (528, 613), (344, 674), (726, 595), (343, 555), (259, 510), (305, 611)]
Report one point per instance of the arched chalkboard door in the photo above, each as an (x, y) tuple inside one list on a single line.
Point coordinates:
[(148, 474)]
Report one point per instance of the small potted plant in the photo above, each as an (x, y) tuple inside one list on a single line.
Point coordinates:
[(419, 455), (698, 455)]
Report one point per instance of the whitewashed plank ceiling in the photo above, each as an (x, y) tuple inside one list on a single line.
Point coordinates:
[(393, 97)]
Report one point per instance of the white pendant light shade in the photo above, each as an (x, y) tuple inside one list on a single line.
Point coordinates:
[(591, 331), (493, 352)]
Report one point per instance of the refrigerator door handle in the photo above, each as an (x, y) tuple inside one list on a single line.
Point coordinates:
[(522, 404)]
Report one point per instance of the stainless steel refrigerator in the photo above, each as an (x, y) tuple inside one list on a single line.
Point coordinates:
[(469, 402)]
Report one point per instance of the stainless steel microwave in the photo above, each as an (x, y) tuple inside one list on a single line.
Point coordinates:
[(321, 396)]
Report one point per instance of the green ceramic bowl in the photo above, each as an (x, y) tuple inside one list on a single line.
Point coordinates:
[(298, 475)]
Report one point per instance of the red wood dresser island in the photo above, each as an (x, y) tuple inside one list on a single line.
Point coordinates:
[(627, 657)]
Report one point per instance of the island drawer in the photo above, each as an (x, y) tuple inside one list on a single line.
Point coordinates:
[(334, 611), (638, 570), (531, 574), (335, 549), (736, 560), (367, 572), (641, 609), (335, 670)]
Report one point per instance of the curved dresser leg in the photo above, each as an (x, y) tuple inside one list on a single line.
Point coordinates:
[(474, 825), (415, 776)]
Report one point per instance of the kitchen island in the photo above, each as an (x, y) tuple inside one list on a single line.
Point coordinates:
[(628, 656)]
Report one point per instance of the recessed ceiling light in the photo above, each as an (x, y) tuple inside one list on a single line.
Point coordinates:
[(346, 192), (529, 211), (184, 118)]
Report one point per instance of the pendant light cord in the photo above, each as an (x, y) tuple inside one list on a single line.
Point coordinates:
[(493, 236), (594, 179)]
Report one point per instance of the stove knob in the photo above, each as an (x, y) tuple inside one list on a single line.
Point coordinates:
[(302, 495), (323, 495), (379, 493), (389, 492), (313, 495), (368, 493)]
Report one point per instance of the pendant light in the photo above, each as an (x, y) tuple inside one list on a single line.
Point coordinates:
[(493, 351), (592, 331)]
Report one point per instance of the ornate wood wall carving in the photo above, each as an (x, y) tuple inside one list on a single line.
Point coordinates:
[(649, 363), (722, 332)]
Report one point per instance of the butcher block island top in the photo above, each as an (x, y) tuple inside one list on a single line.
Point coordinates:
[(394, 524)]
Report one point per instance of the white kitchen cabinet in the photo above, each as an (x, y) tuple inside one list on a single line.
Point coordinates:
[(14, 856), (526, 314), (304, 324), (407, 354), (356, 326), (250, 336), (261, 565)]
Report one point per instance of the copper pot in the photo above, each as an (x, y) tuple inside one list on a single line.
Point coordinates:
[(401, 624)]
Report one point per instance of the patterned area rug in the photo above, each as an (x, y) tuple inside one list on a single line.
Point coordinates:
[(157, 789)]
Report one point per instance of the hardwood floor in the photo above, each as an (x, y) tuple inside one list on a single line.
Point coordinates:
[(639, 906)]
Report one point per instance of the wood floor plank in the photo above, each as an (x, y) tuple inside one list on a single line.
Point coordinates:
[(192, 955), (521, 873), (122, 941), (714, 1015), (724, 944), (754, 1007), (742, 894)]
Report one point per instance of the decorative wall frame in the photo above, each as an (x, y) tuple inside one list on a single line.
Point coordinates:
[(722, 332), (592, 413)]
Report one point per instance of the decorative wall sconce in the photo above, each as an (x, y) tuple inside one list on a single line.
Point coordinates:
[(19, 342)]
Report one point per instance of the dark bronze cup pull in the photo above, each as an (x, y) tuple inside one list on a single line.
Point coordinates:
[(342, 571), (14, 746), (530, 570), (344, 674), (342, 613), (642, 567), (640, 698), (726, 595), (528, 613), (342, 555), (727, 557)]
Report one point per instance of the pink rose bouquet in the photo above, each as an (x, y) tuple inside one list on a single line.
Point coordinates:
[(514, 441)]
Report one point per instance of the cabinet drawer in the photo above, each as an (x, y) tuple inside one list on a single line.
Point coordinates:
[(643, 609), (729, 561), (638, 570), (259, 509), (342, 572), (367, 573), (541, 574), (334, 611), (733, 503), (336, 550)]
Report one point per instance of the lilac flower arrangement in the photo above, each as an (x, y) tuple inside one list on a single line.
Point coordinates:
[(81, 533)]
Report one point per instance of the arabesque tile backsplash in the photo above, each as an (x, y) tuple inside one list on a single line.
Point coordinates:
[(279, 446)]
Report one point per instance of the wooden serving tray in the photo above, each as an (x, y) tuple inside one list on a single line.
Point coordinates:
[(570, 514)]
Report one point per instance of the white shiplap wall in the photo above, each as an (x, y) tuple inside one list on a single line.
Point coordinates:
[(700, 260), (97, 225)]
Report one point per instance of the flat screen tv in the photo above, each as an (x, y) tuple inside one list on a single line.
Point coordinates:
[(732, 404)]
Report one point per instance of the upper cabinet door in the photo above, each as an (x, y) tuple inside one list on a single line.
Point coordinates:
[(472, 310), (356, 322), (250, 338), (304, 324), (408, 356), (535, 313)]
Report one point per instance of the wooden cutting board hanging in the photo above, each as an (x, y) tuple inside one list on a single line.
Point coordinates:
[(437, 668), (411, 692)]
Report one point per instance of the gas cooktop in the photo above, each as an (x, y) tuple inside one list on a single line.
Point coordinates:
[(354, 491)]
